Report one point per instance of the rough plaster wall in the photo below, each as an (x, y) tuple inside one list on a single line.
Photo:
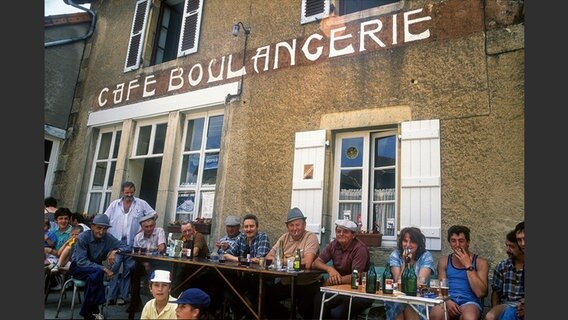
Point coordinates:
[(477, 93)]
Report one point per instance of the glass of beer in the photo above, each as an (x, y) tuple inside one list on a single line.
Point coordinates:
[(435, 286), (421, 284), (444, 287)]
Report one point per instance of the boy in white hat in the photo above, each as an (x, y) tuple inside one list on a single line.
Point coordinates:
[(160, 306)]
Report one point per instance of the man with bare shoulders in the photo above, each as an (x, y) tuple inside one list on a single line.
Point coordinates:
[(467, 276)]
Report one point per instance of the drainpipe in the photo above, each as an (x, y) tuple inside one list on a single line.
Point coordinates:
[(71, 40)]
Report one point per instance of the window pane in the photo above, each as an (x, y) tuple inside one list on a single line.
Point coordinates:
[(104, 147), (116, 145), (47, 150), (185, 206), (350, 185), (94, 203), (352, 152), (189, 169), (99, 178), (107, 201), (194, 134), (384, 178), (385, 151), (111, 174), (384, 218), (210, 170), (351, 211), (214, 132), (350, 6), (143, 140), (160, 138)]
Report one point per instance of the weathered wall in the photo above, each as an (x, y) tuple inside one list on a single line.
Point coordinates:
[(469, 74)]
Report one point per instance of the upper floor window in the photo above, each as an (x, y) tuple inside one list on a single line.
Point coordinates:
[(314, 10), (173, 31)]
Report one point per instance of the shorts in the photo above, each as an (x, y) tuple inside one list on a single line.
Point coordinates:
[(462, 302)]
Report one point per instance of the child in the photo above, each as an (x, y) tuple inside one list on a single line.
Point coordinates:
[(192, 304), (160, 306)]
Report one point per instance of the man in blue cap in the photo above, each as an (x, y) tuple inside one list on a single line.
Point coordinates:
[(91, 249), (192, 304)]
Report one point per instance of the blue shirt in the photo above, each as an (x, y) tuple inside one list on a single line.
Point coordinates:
[(231, 241), (91, 252), (62, 236), (259, 247), (425, 261)]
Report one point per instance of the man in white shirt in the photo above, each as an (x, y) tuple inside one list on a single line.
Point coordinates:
[(124, 214)]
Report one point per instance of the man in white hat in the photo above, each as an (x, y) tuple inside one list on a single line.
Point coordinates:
[(305, 288), (91, 249), (160, 307), (347, 254)]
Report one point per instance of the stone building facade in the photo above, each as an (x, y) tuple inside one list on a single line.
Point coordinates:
[(407, 113)]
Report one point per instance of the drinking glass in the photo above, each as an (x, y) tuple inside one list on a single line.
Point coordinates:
[(435, 286), (444, 287)]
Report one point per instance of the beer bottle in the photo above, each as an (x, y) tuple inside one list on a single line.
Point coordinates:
[(355, 279), (190, 248), (371, 279), (388, 281), (297, 260)]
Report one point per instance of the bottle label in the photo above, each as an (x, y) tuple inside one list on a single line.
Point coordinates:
[(389, 284)]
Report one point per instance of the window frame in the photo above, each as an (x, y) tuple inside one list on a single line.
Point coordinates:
[(153, 124), (106, 189), (366, 201), (199, 188)]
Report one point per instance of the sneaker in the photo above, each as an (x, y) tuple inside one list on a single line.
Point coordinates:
[(121, 301), (98, 316), (54, 269)]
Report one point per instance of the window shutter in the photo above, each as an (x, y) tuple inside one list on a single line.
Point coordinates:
[(307, 180), (313, 10), (420, 199), (137, 35), (190, 27)]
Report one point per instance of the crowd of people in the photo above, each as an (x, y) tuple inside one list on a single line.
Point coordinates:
[(90, 251)]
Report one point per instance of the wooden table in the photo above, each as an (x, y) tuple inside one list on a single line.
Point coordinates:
[(345, 289), (202, 263)]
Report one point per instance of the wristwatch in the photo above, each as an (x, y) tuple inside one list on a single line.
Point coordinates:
[(470, 268)]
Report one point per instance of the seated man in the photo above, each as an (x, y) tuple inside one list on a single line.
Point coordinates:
[(466, 274), (91, 249), (347, 253), (256, 244), (508, 279), (305, 288), (151, 237)]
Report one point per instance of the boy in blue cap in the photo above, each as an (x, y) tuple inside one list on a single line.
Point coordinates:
[(192, 304)]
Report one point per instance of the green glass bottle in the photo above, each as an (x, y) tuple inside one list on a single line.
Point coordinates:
[(409, 278), (387, 283), (371, 286)]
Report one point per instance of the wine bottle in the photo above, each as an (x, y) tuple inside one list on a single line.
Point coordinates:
[(371, 286), (409, 278), (388, 281)]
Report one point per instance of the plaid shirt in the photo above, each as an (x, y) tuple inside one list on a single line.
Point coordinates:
[(508, 282), (232, 242), (259, 247)]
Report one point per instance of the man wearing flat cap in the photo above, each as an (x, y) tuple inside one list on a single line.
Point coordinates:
[(152, 239), (347, 254), (91, 249), (305, 287), (233, 229), (192, 304)]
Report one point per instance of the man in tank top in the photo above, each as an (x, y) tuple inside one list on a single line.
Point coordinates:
[(467, 277)]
